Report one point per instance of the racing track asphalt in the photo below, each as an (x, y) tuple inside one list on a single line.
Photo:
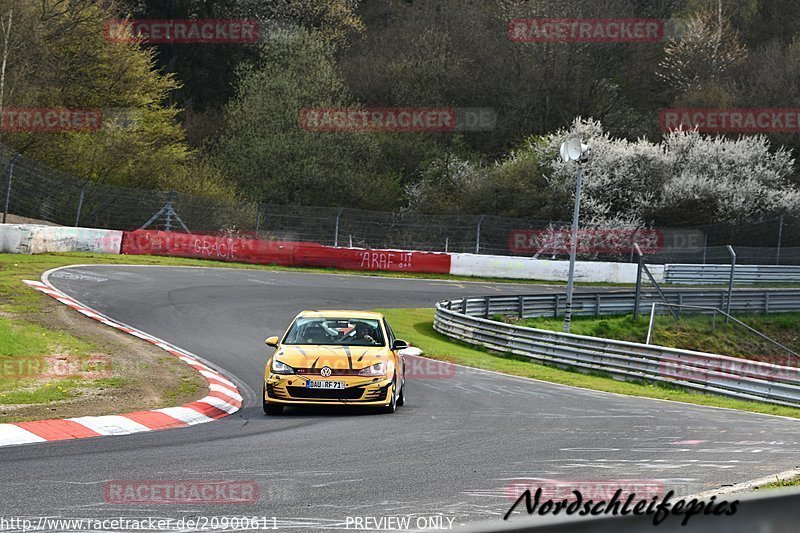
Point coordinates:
[(452, 449)]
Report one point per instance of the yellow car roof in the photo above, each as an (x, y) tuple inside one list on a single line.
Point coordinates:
[(341, 313)]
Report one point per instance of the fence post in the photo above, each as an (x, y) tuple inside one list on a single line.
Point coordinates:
[(258, 219), (638, 298), (730, 282), (336, 233), (80, 203), (705, 244), (521, 306), (780, 238), (478, 235), (9, 174)]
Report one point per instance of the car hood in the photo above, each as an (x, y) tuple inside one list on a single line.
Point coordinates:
[(344, 358)]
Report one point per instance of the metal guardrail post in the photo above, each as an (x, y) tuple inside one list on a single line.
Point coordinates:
[(730, 281), (80, 203), (9, 174), (478, 235)]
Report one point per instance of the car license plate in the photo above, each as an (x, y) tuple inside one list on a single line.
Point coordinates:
[(318, 384)]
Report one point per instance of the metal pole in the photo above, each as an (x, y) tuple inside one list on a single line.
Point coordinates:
[(730, 282), (336, 232), (573, 246), (80, 203), (446, 243), (650, 327), (638, 298), (478, 235), (9, 173), (780, 238), (258, 219)]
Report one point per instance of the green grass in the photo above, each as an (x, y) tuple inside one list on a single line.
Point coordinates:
[(698, 333), (780, 484), (23, 347), (416, 327)]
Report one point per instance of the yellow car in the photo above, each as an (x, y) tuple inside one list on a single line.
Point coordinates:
[(336, 357)]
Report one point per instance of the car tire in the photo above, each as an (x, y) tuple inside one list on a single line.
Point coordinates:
[(392, 407), (272, 409), (401, 400)]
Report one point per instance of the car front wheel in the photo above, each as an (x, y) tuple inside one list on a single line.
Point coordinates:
[(271, 408), (392, 406)]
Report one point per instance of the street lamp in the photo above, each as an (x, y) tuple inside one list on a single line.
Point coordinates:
[(574, 150)]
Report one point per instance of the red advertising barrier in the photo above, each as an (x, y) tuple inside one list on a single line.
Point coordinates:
[(285, 253)]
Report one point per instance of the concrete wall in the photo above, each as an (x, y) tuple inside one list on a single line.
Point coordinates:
[(542, 269), (37, 239)]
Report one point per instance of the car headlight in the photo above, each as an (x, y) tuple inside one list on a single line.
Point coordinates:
[(281, 368), (378, 369)]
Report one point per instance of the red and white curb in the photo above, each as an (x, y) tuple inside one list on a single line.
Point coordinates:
[(223, 398)]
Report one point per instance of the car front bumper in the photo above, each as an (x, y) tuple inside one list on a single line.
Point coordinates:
[(291, 389)]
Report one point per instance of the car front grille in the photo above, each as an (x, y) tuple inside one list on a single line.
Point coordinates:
[(302, 393)]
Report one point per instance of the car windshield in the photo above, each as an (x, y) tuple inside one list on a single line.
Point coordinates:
[(335, 331)]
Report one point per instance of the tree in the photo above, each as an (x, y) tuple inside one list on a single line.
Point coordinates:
[(57, 56), (273, 159)]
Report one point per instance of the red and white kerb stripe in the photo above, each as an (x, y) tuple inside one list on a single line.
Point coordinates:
[(223, 398)]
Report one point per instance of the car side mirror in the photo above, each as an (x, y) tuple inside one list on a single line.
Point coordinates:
[(399, 344), (272, 341)]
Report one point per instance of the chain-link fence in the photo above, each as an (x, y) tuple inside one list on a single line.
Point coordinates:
[(33, 190)]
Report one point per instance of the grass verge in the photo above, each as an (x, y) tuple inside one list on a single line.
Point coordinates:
[(416, 327), (780, 484), (699, 333)]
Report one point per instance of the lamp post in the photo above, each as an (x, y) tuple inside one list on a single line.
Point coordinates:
[(574, 150)]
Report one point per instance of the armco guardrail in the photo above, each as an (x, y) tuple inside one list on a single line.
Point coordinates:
[(623, 301), (749, 274), (463, 319)]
